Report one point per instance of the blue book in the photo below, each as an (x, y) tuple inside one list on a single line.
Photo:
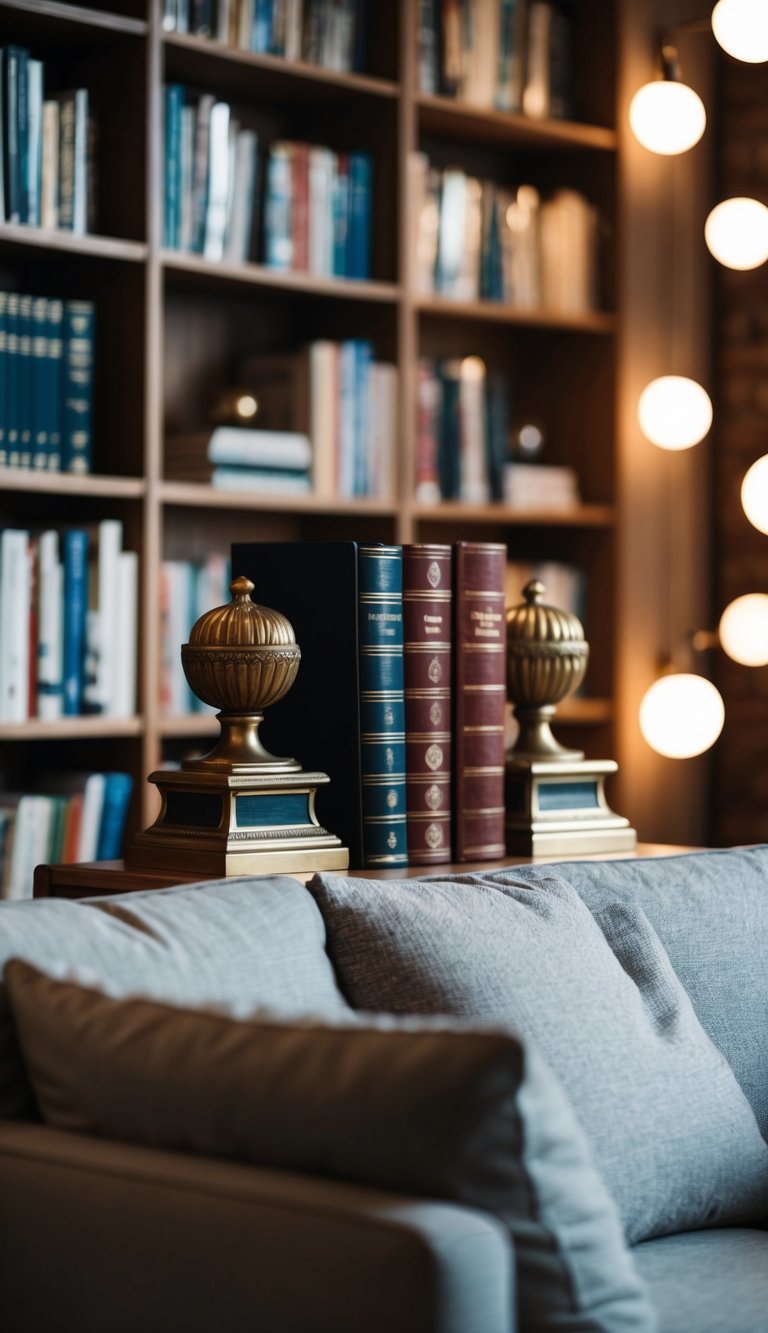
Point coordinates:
[(174, 104), (12, 378), (340, 215), (278, 208), (382, 705), (77, 386), (449, 436), (359, 238), (362, 433), (54, 391), (117, 796), (261, 36), (75, 543)]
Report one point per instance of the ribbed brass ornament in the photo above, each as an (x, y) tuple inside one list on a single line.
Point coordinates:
[(238, 809), (547, 657)]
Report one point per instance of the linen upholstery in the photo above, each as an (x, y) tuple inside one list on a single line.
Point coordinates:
[(430, 1110), (243, 944), (708, 1281), (673, 1135)]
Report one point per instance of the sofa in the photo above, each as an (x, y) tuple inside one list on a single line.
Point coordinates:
[(527, 1099)]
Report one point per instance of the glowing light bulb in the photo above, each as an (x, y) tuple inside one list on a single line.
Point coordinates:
[(674, 412), (754, 494), (736, 233), (743, 629), (741, 28), (667, 117), (681, 715)]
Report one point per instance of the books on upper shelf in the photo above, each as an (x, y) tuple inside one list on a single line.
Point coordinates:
[(46, 383), (318, 211), (475, 240), (47, 177), (511, 55), (271, 461), (187, 590), (83, 819), (331, 33), (462, 431), (68, 623)]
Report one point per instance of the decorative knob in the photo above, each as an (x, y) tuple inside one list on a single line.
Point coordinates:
[(546, 660)]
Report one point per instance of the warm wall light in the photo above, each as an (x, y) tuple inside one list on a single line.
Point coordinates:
[(681, 715), (741, 28), (743, 629), (667, 117), (754, 494), (736, 233), (674, 412)]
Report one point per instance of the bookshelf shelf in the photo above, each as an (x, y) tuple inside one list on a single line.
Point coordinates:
[(19, 237), (495, 312), (71, 728), (446, 116), (584, 516), (185, 269), (199, 496), (51, 15), (189, 725), (65, 483)]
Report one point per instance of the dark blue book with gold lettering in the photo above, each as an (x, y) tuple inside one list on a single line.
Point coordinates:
[(382, 705)]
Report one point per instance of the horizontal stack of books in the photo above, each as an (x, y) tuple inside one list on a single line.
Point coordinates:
[(272, 462), (331, 33), (46, 383), (84, 821), (68, 623), (475, 240), (513, 55), (187, 590), (317, 211), (47, 176)]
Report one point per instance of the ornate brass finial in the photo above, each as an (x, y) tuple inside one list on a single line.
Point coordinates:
[(546, 660)]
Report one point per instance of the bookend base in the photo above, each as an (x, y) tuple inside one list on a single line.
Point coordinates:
[(559, 808)]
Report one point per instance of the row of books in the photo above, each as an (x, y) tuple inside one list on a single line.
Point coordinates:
[(85, 822), (68, 623), (47, 177), (331, 33), (46, 383), (187, 590), (513, 55), (475, 239), (318, 211)]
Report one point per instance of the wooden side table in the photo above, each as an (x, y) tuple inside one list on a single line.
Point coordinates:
[(99, 879)]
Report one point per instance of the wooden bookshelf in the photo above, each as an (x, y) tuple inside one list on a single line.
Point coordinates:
[(147, 294)]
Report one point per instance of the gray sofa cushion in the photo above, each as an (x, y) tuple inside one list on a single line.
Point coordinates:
[(241, 943), (427, 1109), (708, 1281), (672, 1132)]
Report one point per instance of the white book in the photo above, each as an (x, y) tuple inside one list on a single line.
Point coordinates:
[(520, 225), (278, 207), (49, 201), (536, 90), (178, 618), (245, 24), (453, 231), (324, 414), (109, 546), (126, 635), (235, 445), (50, 627), (540, 486), (241, 479), (35, 140), (223, 20), (293, 29), (424, 194), (240, 219), (473, 486), (218, 182), (467, 286), (347, 398), (31, 841), (15, 592), (481, 56), (90, 817), (321, 164), (80, 198)]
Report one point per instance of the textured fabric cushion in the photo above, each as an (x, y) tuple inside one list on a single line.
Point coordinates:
[(710, 910), (708, 1281), (241, 943), (427, 1109), (672, 1132)]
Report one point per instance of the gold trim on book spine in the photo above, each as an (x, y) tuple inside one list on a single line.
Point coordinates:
[(490, 849), (469, 812), (476, 730), (491, 771)]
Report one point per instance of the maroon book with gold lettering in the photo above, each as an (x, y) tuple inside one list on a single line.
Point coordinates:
[(479, 696), (427, 632)]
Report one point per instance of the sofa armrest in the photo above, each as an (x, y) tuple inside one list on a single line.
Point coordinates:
[(97, 1235)]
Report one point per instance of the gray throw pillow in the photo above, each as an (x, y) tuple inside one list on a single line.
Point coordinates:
[(243, 943), (672, 1132), (426, 1109)]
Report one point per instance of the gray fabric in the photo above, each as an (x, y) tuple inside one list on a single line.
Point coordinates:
[(110, 1238), (710, 910), (245, 944), (426, 1109), (708, 1281), (673, 1134)]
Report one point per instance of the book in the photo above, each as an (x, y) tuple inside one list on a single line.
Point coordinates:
[(174, 106), (77, 385), (11, 59), (217, 194), (540, 486), (116, 799), (73, 160), (382, 705), (75, 546), (479, 639), (123, 702), (49, 187), (427, 636), (30, 846), (50, 699), (315, 584), (90, 817), (14, 624)]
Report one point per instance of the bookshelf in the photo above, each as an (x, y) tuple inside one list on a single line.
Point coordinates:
[(170, 324)]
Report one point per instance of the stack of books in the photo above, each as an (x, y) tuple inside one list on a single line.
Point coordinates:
[(513, 55), (475, 240), (187, 590), (68, 623), (401, 694), (47, 177), (331, 33), (317, 211), (85, 821), (232, 457), (462, 432)]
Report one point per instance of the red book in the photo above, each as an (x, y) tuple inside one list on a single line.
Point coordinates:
[(427, 662), (480, 663), (299, 212)]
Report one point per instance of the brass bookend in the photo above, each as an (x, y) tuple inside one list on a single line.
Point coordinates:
[(239, 810)]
